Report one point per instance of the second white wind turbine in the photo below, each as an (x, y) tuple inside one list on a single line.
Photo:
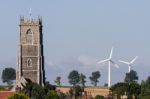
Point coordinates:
[(109, 60), (129, 63)]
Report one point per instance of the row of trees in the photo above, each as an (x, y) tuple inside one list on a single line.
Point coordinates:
[(75, 78), (9, 74), (130, 85)]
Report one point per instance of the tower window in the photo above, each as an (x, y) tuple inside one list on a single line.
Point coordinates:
[(29, 36), (29, 63)]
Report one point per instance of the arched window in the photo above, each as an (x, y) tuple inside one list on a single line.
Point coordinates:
[(29, 63), (29, 36)]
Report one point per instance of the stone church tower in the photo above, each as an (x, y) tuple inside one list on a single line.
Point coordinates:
[(30, 54)]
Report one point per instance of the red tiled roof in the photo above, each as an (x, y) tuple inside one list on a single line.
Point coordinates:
[(5, 94)]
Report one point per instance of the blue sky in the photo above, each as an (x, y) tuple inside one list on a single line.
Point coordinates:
[(78, 33)]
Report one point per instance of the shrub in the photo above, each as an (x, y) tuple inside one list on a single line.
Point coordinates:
[(18, 96), (99, 97)]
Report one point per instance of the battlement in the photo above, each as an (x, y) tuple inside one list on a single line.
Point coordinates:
[(31, 21)]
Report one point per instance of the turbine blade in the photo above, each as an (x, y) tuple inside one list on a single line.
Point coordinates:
[(111, 53), (116, 65), (102, 61), (124, 62), (134, 59)]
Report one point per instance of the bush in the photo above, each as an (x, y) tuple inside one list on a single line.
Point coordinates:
[(52, 95), (99, 97), (18, 96)]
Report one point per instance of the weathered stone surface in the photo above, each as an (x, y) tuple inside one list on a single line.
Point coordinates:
[(30, 54)]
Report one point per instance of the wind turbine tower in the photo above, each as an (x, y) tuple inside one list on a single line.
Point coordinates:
[(110, 61)]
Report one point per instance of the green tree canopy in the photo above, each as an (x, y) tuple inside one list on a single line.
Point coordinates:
[(8, 75), (58, 80), (131, 76), (76, 92), (128, 88), (35, 91), (94, 78), (145, 89), (120, 88), (73, 77), (52, 94), (82, 80)]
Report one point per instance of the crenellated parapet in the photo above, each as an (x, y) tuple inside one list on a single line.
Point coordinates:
[(31, 21)]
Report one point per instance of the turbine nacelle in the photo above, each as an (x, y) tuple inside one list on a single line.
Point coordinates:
[(109, 59)]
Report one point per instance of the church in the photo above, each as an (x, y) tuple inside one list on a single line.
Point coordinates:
[(30, 63)]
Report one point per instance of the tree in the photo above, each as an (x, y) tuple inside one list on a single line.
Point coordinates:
[(58, 80), (134, 89), (73, 77), (8, 75), (131, 76), (94, 78), (128, 88), (82, 80), (119, 89), (76, 92), (18, 96), (145, 89), (35, 91)]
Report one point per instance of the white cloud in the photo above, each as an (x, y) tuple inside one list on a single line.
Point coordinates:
[(87, 61)]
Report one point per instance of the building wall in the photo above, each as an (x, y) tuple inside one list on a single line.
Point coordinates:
[(30, 54)]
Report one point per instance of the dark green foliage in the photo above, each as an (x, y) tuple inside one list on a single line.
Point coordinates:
[(18, 96), (49, 86), (35, 91), (38, 92), (76, 91), (99, 97), (82, 80), (120, 88), (131, 76), (8, 75), (134, 89), (58, 80), (128, 88), (145, 89), (52, 95), (74, 77), (94, 78)]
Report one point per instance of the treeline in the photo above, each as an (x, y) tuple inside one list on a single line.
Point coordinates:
[(130, 87)]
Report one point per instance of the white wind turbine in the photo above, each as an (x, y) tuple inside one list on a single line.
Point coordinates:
[(129, 63), (109, 60)]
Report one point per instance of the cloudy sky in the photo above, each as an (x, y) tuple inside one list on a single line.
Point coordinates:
[(78, 33)]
